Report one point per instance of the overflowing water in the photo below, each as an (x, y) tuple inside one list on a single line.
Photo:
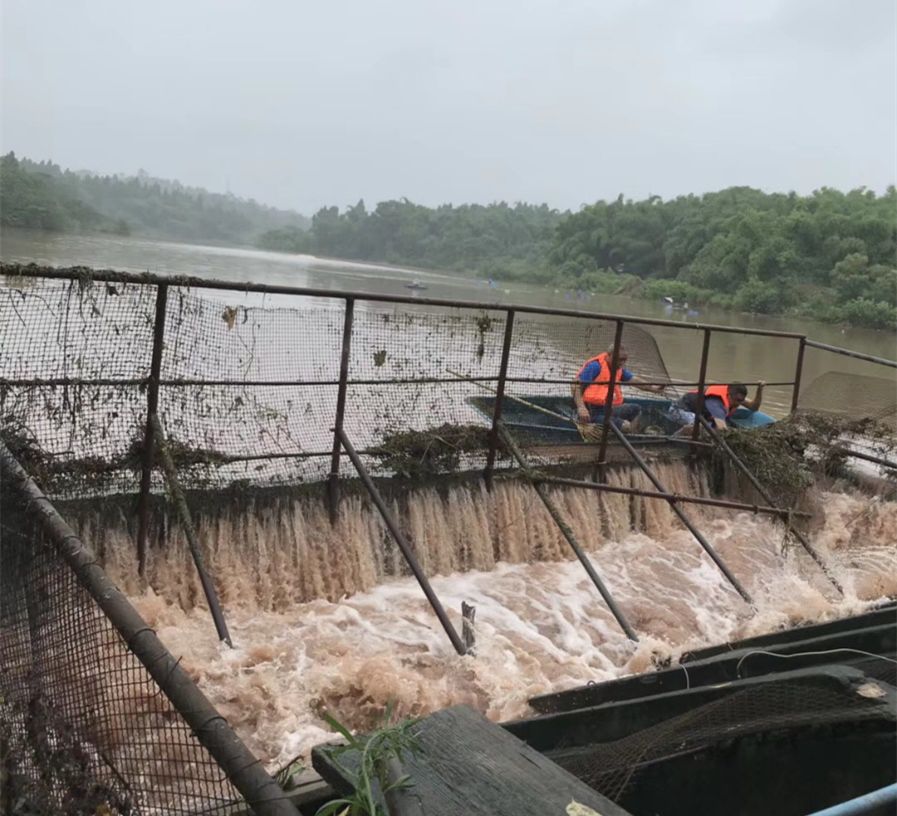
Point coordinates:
[(326, 618)]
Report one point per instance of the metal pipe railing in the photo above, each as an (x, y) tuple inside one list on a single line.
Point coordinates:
[(682, 517), (764, 493), (244, 770), (108, 275), (407, 552), (555, 514), (149, 447), (857, 355), (345, 353), (798, 373), (670, 497), (499, 396), (609, 397), (702, 377), (26, 382), (179, 500)]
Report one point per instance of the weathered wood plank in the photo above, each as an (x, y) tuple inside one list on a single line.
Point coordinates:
[(466, 764)]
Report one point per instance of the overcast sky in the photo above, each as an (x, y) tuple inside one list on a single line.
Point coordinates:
[(303, 104)]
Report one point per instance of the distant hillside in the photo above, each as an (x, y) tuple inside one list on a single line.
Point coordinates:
[(41, 195)]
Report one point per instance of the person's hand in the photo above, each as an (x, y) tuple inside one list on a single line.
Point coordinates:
[(583, 414), (761, 384)]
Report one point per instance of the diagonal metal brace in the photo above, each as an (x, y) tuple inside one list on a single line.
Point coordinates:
[(542, 492)]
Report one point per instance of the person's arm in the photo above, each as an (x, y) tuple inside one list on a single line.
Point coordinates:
[(754, 404), (581, 411), (588, 374)]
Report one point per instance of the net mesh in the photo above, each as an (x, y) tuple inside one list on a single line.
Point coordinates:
[(615, 768), (83, 726), (249, 384), (859, 396)]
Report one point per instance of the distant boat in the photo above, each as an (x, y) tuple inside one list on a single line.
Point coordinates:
[(415, 284)]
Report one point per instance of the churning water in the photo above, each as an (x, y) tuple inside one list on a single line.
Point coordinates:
[(324, 618)]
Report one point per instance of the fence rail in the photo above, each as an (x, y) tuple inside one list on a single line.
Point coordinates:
[(96, 715)]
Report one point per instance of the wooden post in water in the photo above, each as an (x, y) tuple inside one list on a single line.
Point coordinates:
[(468, 634)]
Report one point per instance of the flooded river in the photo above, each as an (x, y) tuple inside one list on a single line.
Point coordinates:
[(731, 357), (323, 619)]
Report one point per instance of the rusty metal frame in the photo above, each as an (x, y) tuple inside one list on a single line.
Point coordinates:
[(149, 446), (539, 486), (345, 354), (404, 546), (499, 396)]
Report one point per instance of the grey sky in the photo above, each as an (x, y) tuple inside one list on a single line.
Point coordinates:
[(302, 104)]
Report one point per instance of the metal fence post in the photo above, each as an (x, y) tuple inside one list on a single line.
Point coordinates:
[(702, 378), (499, 397), (798, 371), (149, 443), (333, 484), (609, 399)]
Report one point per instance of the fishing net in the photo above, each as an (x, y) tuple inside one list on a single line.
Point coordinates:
[(616, 768), (84, 728), (858, 396), (248, 384)]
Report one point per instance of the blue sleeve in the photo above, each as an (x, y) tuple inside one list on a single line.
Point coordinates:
[(590, 372), (626, 376), (715, 407)]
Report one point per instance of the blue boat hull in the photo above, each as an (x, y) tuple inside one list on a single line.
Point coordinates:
[(541, 427)]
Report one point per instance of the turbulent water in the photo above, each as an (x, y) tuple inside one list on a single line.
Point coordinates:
[(323, 618)]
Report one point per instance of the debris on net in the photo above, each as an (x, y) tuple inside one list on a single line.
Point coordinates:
[(417, 454), (787, 456)]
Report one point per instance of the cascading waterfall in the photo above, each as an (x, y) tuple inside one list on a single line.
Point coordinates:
[(327, 618)]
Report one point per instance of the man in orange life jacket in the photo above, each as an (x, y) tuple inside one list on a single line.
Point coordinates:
[(590, 388), (720, 403)]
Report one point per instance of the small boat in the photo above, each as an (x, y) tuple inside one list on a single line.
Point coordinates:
[(541, 427), (415, 284)]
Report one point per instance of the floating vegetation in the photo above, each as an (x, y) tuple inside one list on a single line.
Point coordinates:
[(416, 454), (786, 457)]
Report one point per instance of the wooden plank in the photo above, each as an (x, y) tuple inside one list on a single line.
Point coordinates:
[(466, 764)]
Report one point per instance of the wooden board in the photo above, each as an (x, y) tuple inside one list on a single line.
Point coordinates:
[(468, 765)]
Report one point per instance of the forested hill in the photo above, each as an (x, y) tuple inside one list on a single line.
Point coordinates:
[(829, 255), (41, 195), (499, 238)]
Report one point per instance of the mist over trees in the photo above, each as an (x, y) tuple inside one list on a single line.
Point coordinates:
[(828, 255), (40, 195)]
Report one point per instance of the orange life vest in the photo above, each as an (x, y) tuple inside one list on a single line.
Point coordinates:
[(595, 392), (721, 392)]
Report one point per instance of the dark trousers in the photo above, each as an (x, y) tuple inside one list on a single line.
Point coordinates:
[(621, 413)]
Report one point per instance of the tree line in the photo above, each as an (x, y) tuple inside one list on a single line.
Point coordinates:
[(829, 255), (41, 195)]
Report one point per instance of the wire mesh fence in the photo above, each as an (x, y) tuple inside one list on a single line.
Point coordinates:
[(84, 725), (248, 383)]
